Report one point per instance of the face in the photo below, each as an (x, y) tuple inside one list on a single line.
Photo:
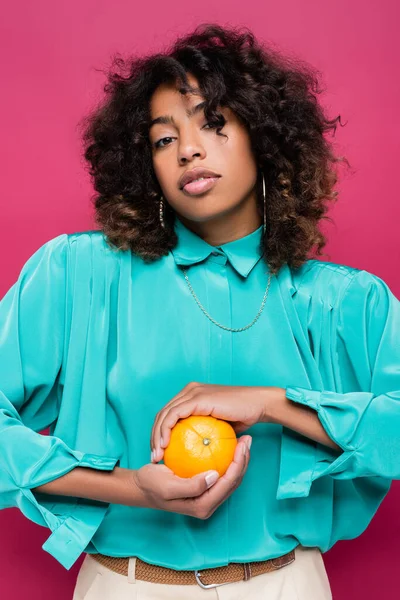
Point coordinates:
[(188, 142)]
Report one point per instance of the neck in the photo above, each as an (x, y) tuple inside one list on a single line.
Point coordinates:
[(224, 228)]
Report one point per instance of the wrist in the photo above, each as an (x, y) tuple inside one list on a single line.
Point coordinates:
[(273, 400), (129, 492)]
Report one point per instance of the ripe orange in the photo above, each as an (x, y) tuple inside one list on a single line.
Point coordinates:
[(200, 443)]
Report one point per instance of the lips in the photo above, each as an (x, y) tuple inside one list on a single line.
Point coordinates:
[(195, 173), (200, 186)]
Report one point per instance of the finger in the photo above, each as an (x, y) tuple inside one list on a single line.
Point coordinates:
[(212, 498), (155, 433), (238, 466), (183, 487), (189, 406), (189, 487), (180, 411), (160, 415), (247, 458), (187, 389), (162, 433), (226, 483)]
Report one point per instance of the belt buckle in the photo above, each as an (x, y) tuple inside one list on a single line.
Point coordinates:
[(207, 586), (247, 576)]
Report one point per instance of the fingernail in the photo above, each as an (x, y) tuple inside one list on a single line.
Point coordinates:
[(162, 442), (211, 478), (249, 441), (244, 448), (153, 455)]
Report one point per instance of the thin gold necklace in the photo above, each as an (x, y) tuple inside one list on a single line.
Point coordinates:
[(223, 326)]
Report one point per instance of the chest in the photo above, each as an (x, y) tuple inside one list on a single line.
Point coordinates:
[(160, 339)]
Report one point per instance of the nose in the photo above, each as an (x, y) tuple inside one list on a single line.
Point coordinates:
[(190, 149), (187, 157)]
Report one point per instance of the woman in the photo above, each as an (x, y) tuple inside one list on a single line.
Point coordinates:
[(197, 296)]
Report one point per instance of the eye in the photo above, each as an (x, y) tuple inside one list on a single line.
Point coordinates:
[(158, 143), (212, 124), (217, 124)]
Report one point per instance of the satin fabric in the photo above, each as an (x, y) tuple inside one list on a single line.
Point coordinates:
[(94, 342)]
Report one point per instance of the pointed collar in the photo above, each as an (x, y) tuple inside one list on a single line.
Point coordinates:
[(243, 253)]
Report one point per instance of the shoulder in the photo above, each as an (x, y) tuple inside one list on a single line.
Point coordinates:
[(95, 243), (51, 255), (90, 239), (60, 245), (333, 281), (92, 247), (70, 255), (58, 250)]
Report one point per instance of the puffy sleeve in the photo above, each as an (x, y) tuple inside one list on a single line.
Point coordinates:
[(32, 327), (364, 423)]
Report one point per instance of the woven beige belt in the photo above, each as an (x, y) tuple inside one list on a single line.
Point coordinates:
[(205, 578)]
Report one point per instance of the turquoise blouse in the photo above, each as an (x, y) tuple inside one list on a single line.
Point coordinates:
[(94, 342)]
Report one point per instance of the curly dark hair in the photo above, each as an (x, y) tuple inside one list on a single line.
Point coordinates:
[(273, 94)]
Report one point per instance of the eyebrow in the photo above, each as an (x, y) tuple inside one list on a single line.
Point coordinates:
[(169, 119)]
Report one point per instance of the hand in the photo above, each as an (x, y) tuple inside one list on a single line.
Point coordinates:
[(242, 406), (161, 489)]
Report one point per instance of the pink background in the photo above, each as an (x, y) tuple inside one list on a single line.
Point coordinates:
[(51, 51)]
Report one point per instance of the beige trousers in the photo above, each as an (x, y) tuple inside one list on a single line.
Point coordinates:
[(303, 579)]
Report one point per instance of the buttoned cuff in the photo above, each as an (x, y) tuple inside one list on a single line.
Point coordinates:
[(303, 460), (73, 521)]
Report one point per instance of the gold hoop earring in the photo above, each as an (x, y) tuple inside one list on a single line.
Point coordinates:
[(265, 203)]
